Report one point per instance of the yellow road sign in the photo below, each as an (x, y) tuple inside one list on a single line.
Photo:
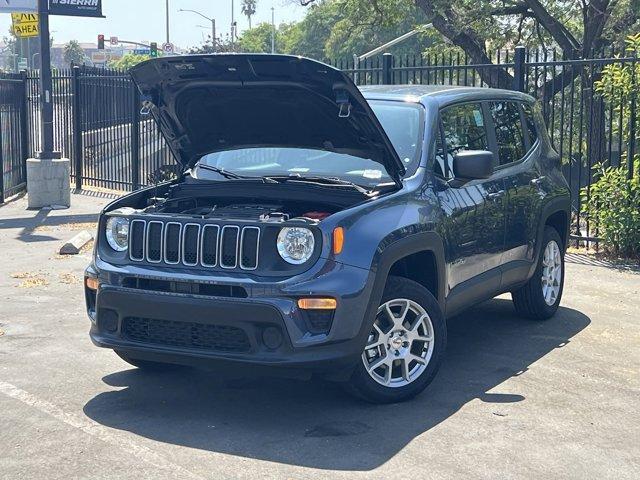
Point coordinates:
[(25, 24)]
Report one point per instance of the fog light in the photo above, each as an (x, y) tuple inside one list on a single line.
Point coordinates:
[(272, 338), (317, 303), (91, 283), (108, 320)]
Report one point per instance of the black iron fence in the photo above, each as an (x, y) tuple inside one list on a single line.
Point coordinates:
[(99, 126), (13, 135)]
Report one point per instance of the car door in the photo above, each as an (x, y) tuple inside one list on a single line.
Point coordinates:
[(518, 164), (474, 212)]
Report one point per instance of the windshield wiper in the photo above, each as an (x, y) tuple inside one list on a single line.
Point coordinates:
[(221, 171), (319, 180)]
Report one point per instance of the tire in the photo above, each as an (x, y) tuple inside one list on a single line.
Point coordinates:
[(400, 375), (145, 365), (531, 301)]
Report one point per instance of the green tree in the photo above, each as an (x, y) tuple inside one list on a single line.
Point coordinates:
[(258, 39), (127, 61), (248, 9), (74, 54)]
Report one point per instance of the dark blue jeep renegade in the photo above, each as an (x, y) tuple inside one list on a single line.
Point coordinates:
[(319, 228)]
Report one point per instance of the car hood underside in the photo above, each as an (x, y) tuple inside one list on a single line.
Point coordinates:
[(211, 103)]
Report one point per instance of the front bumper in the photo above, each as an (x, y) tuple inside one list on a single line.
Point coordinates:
[(266, 328)]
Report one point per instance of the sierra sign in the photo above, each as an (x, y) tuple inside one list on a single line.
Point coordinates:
[(76, 8)]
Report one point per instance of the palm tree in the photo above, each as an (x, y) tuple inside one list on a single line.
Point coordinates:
[(249, 8)]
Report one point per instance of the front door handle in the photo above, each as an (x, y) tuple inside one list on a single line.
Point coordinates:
[(538, 181), (496, 195)]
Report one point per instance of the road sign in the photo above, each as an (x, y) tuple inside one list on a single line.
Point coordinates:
[(8, 6), (23, 64), (142, 51), (113, 41), (167, 47), (25, 25), (99, 57)]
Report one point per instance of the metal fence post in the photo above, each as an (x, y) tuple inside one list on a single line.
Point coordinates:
[(387, 69), (519, 71), (135, 138), (78, 154), (631, 152), (1, 169), (24, 125)]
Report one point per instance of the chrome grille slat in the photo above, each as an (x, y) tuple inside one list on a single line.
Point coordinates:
[(221, 254), (133, 238), (222, 246)]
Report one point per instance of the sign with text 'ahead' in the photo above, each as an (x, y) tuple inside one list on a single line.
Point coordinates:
[(9, 6), (75, 8), (25, 25)]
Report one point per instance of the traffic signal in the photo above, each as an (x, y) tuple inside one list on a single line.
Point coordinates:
[(154, 49), (100, 42)]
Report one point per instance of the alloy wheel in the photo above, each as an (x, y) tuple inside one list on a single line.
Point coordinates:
[(551, 273), (400, 344)]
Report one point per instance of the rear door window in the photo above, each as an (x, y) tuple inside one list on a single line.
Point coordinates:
[(530, 123), (509, 133)]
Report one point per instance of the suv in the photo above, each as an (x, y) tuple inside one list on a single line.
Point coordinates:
[(316, 228)]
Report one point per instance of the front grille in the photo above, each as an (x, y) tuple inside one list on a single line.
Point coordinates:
[(220, 338), (191, 244)]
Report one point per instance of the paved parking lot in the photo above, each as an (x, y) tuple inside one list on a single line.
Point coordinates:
[(514, 399)]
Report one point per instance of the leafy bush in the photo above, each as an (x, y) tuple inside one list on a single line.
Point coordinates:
[(613, 207)]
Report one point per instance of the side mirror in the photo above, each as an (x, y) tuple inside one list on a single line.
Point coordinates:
[(473, 164)]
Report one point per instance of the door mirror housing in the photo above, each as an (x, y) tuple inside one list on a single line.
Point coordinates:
[(473, 164)]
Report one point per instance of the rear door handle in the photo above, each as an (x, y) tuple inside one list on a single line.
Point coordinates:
[(495, 195), (537, 181)]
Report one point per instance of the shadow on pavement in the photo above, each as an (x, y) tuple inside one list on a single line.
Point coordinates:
[(314, 424)]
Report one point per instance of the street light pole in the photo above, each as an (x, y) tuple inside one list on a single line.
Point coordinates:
[(273, 31), (212, 20)]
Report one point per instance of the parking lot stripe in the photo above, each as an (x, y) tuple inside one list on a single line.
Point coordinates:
[(96, 430)]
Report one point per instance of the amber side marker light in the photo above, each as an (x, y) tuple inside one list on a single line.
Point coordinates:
[(338, 240), (317, 303), (91, 283)]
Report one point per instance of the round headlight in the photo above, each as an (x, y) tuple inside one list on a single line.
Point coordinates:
[(295, 244), (118, 233)]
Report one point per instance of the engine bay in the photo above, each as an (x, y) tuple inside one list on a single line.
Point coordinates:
[(214, 208)]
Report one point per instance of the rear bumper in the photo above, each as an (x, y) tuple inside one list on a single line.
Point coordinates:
[(266, 330)]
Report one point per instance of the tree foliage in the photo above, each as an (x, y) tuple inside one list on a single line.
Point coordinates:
[(248, 9), (74, 54), (127, 61)]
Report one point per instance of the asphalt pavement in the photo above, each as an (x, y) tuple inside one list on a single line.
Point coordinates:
[(514, 398)]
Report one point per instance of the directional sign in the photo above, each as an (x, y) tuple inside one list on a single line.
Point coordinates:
[(23, 64), (8, 6), (25, 25), (142, 51)]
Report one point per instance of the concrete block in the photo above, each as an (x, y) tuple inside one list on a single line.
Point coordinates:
[(73, 246), (48, 182)]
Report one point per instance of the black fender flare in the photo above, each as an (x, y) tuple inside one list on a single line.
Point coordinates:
[(390, 251), (553, 206)]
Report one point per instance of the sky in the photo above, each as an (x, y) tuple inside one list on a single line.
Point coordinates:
[(144, 20)]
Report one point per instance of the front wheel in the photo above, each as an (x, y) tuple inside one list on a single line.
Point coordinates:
[(540, 297), (405, 346)]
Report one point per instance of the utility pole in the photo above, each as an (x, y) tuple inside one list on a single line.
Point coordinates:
[(233, 23), (167, 12), (48, 175), (46, 86), (273, 31)]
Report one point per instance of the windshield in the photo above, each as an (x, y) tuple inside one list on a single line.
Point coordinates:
[(401, 121)]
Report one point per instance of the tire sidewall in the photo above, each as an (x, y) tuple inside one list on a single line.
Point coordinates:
[(370, 390), (550, 234)]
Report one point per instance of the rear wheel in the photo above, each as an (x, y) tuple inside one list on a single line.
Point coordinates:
[(540, 297), (405, 346)]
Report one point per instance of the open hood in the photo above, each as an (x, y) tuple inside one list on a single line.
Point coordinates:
[(210, 103)]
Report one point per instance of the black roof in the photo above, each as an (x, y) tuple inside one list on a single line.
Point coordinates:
[(441, 94)]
